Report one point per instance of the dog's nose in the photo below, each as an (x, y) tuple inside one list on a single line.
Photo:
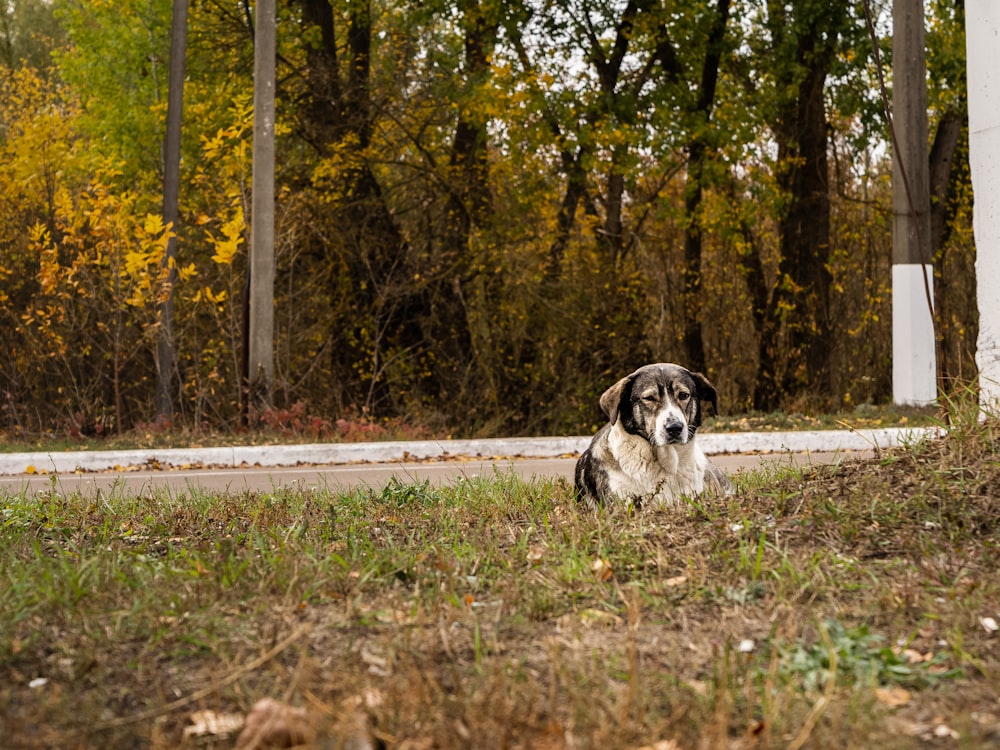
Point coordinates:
[(674, 429)]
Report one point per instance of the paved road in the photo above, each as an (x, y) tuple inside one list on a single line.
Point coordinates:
[(264, 479), (340, 466)]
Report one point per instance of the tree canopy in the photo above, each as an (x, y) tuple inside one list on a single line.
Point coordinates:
[(486, 211)]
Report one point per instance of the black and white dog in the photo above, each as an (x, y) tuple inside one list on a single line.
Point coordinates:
[(647, 456)]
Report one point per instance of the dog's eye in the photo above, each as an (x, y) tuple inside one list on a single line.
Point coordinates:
[(682, 396), (650, 398)]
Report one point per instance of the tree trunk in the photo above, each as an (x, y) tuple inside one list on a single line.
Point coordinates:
[(468, 205), (339, 116), (794, 353), (694, 343), (698, 152), (576, 187), (613, 234), (942, 168), (165, 354), (805, 242), (954, 298)]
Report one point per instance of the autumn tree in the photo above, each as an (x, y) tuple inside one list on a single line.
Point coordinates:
[(802, 41), (338, 115), (485, 210), (468, 207), (29, 31), (650, 85), (701, 136)]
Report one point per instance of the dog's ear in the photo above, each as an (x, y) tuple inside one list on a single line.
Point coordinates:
[(611, 399), (706, 393)]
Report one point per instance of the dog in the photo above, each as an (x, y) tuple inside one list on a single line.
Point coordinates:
[(647, 454)]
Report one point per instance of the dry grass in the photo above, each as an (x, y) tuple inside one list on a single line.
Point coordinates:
[(842, 607)]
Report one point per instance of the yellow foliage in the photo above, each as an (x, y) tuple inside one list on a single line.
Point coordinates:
[(206, 294), (186, 273), (153, 224), (224, 173), (232, 237)]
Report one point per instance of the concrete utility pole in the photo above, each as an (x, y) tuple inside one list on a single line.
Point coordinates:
[(165, 355), (261, 344), (914, 361), (982, 39)]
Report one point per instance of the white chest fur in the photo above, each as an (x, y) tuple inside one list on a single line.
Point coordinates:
[(656, 477)]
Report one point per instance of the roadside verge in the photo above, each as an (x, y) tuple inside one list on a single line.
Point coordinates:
[(322, 454)]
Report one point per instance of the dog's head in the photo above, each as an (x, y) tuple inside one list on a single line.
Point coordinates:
[(660, 402)]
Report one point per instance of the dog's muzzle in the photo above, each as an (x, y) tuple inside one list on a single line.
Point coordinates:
[(674, 431)]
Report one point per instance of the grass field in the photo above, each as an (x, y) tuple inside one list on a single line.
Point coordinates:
[(853, 606)]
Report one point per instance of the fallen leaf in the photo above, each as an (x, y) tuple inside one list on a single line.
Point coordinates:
[(420, 743), (984, 718), (602, 569), (210, 723), (661, 745), (943, 730), (378, 664), (676, 581), (272, 724), (989, 623), (915, 657), (892, 697), (369, 698)]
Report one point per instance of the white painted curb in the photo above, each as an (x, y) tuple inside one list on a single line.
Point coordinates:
[(347, 453)]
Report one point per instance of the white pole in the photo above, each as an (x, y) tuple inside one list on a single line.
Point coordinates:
[(982, 39), (914, 360), (914, 364)]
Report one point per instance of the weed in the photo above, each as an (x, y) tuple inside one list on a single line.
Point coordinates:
[(854, 657), (400, 494)]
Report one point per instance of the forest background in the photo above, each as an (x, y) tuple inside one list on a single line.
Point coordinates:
[(487, 210)]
